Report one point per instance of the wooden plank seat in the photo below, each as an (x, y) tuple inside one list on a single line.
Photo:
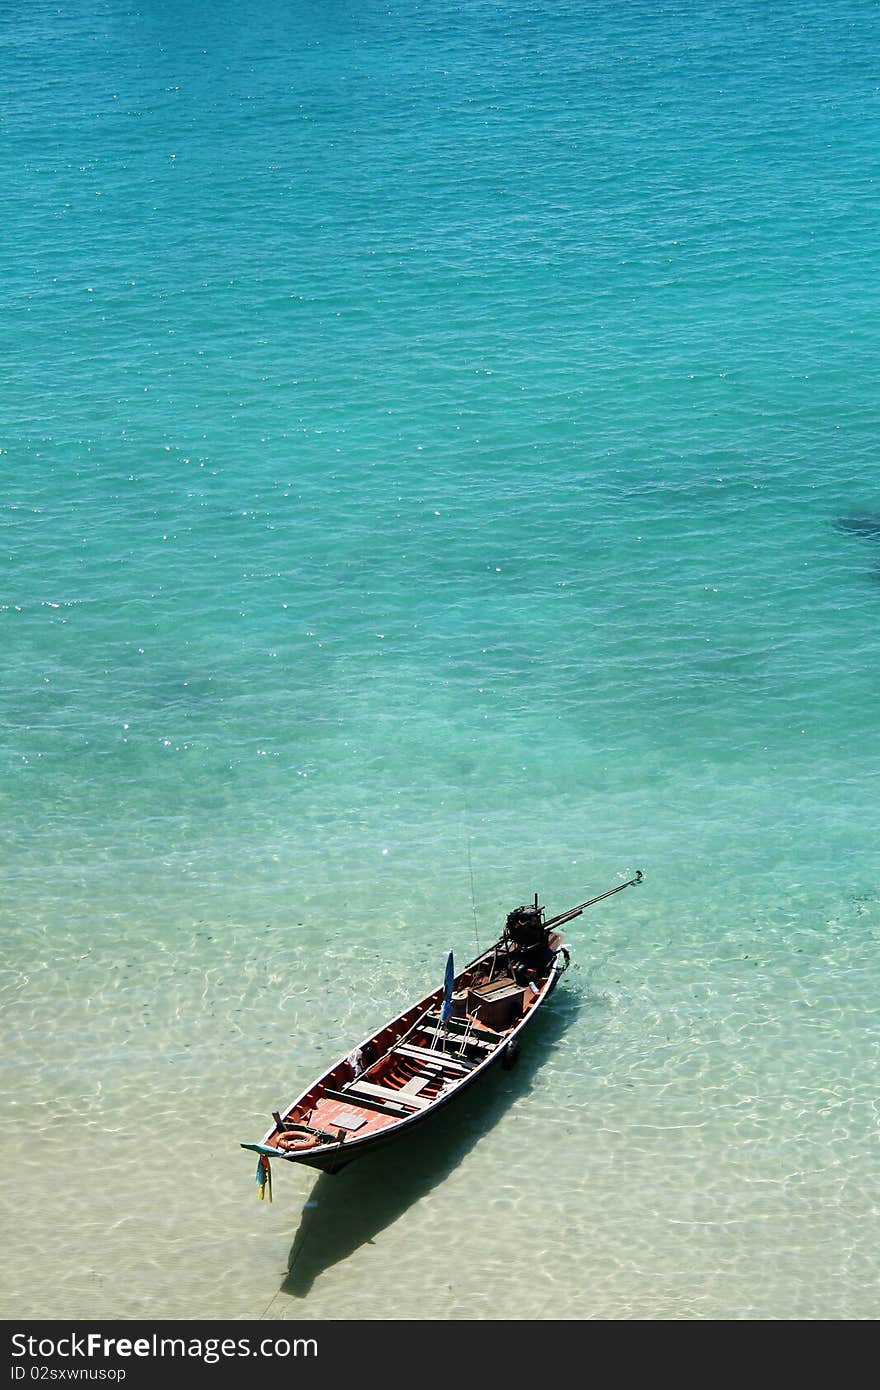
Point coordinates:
[(367, 1088), (427, 1054), (459, 1026), (371, 1102), (474, 1039)]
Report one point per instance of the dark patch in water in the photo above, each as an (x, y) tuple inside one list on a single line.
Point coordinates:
[(867, 524)]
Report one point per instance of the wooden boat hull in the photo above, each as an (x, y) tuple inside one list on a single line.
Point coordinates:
[(359, 1110)]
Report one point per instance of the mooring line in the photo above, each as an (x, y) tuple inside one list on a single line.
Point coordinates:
[(467, 840)]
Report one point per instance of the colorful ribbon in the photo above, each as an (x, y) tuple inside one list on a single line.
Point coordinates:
[(264, 1176)]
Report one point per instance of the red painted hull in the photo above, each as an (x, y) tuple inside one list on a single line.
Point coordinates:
[(413, 1066)]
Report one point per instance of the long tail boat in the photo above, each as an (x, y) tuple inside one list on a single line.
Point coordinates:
[(426, 1056)]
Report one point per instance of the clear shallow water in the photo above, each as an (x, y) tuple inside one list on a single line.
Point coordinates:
[(426, 433)]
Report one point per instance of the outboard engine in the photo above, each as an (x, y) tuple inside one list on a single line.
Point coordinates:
[(526, 939)]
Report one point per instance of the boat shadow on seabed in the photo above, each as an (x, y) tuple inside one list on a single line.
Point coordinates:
[(347, 1210)]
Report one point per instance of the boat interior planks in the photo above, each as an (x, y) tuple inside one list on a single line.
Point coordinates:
[(427, 1055)]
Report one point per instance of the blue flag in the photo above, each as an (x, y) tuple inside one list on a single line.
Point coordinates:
[(446, 1008)]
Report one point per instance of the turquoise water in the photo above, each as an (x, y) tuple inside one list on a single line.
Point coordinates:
[(439, 464)]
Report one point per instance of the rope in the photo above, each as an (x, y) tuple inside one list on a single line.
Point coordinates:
[(467, 840)]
